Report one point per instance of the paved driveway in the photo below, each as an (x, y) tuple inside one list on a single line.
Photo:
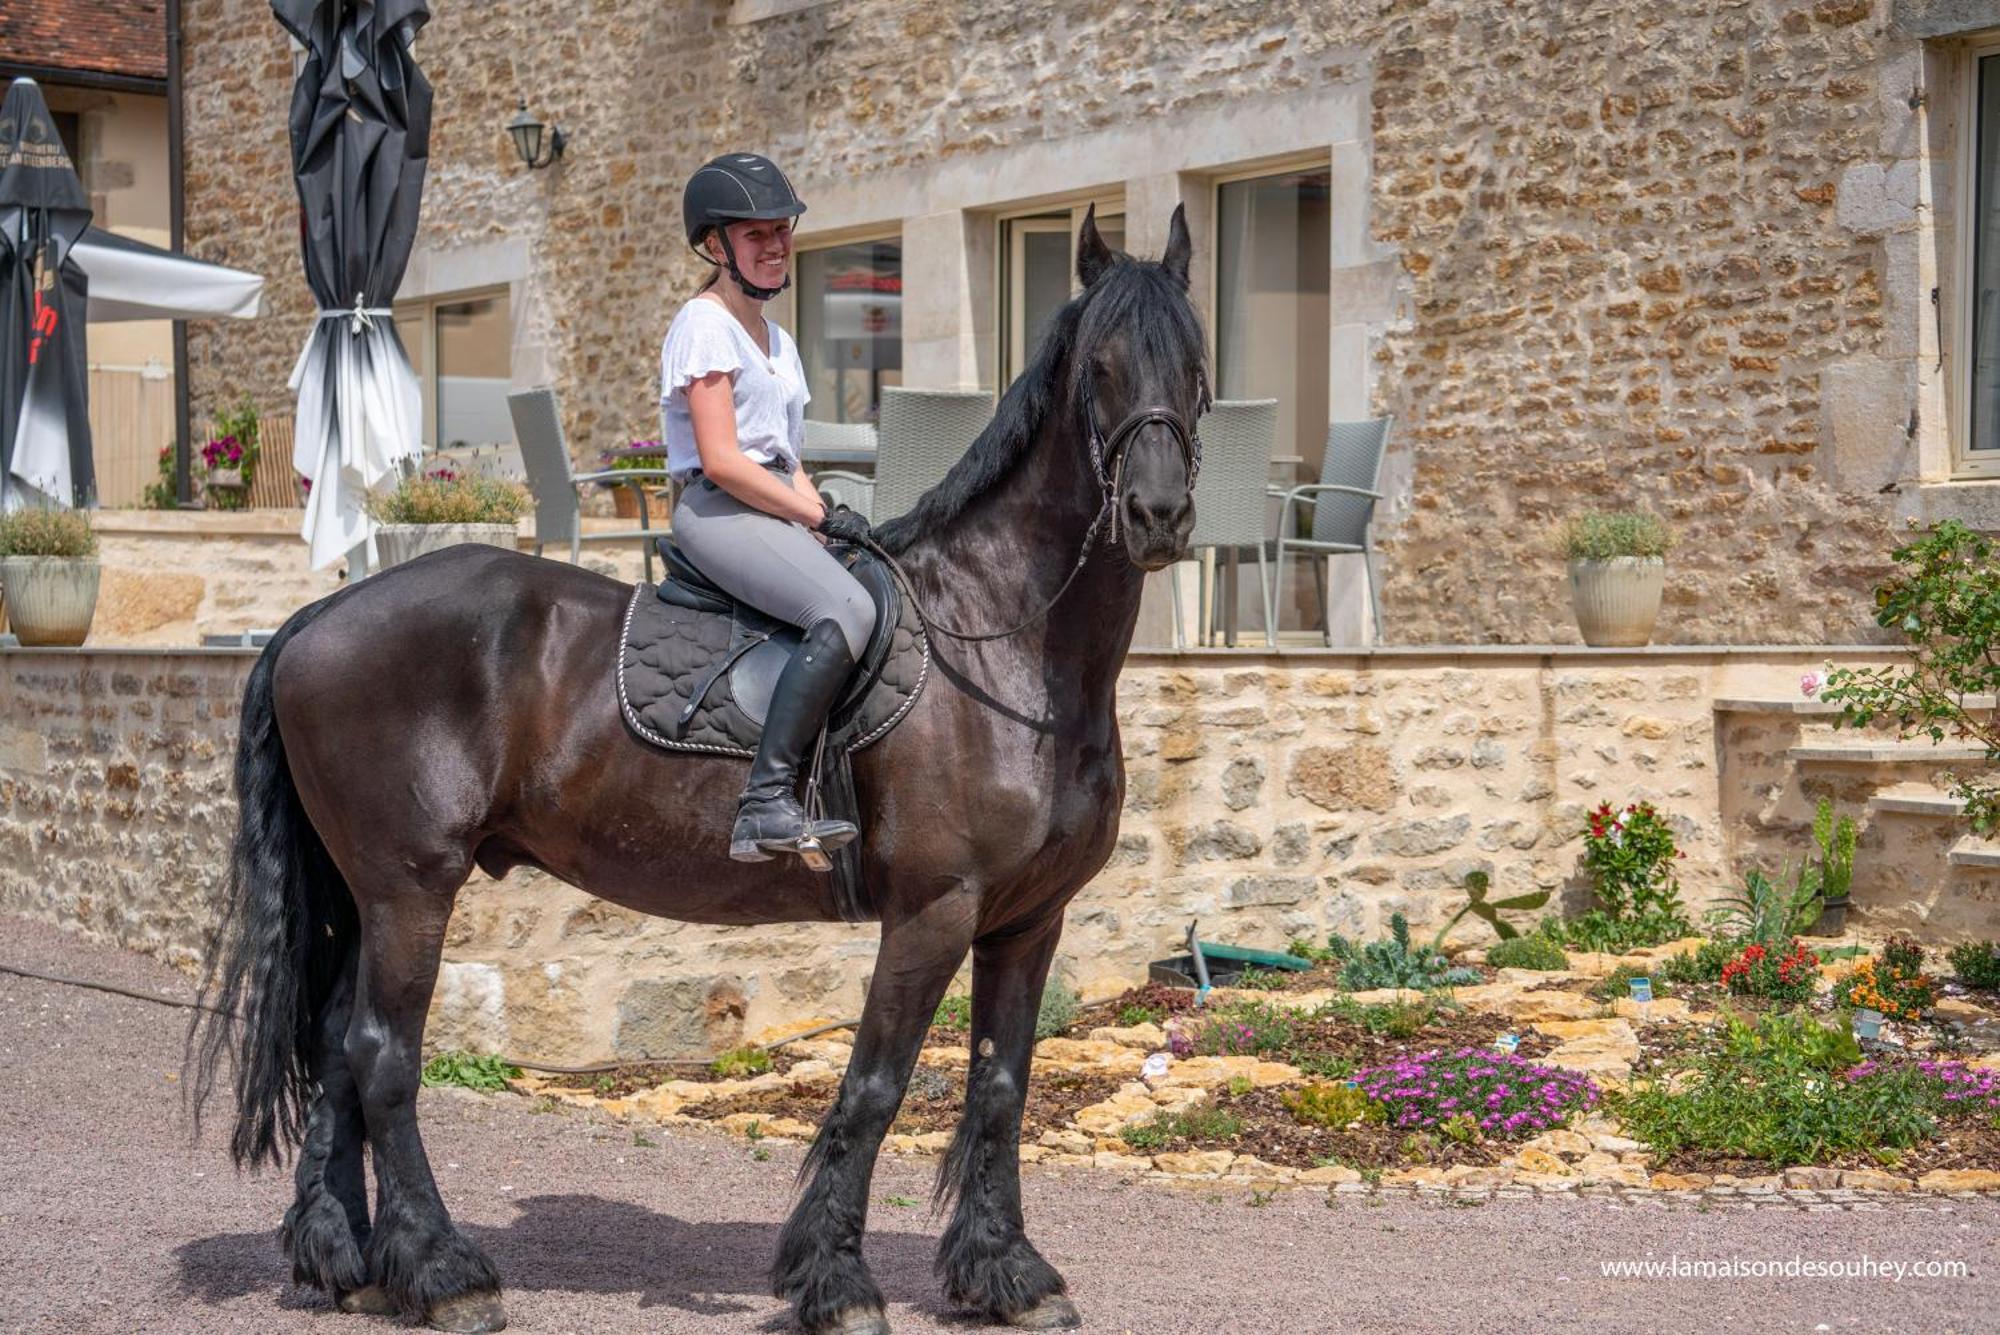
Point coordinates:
[(110, 1220)]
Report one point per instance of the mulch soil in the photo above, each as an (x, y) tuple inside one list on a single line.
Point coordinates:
[(934, 1102), (1962, 1142), (1271, 1133)]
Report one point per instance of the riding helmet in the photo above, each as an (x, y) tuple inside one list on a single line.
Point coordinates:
[(733, 188)]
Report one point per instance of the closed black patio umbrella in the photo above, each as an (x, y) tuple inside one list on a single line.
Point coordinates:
[(360, 134), (44, 405)]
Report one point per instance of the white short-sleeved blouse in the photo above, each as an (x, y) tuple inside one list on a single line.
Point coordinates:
[(771, 394)]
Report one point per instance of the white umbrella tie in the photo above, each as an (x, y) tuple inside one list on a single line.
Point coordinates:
[(361, 318)]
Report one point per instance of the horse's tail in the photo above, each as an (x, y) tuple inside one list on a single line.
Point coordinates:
[(287, 932)]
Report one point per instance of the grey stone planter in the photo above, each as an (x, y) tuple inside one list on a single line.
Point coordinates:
[(397, 543), (50, 599), (1617, 601)]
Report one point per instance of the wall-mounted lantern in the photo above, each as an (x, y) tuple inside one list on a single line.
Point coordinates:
[(529, 132)]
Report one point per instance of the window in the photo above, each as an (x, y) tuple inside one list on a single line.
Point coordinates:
[(850, 327), (1981, 387), (461, 348), (69, 128), (1038, 268), (1273, 243)]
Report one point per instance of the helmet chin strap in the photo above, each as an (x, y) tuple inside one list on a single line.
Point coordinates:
[(750, 289)]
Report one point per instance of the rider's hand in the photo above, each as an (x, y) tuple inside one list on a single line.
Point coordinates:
[(844, 525)]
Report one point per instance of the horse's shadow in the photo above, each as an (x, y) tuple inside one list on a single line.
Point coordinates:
[(575, 1243)]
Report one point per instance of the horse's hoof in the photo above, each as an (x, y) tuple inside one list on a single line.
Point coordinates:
[(468, 1314), (369, 1301), (858, 1321), (1054, 1312)]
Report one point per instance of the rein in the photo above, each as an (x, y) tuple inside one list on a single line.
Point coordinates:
[(1107, 461)]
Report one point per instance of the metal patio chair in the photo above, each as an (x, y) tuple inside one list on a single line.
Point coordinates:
[(1237, 437), (842, 443), (922, 433), (1343, 511), (557, 487)]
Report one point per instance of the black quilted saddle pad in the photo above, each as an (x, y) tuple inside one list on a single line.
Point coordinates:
[(693, 676)]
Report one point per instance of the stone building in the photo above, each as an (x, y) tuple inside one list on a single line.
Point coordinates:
[(1681, 256)]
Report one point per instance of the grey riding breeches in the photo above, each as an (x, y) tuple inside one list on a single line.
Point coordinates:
[(774, 565)]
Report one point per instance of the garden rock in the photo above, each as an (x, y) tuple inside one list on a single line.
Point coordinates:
[(1960, 1179), (1332, 1175), (1561, 1141), (1121, 1163), (1066, 1141), (1658, 1009), (1248, 1167), (1145, 1037), (1128, 1106), (1088, 1055), (1680, 1181), (1534, 1160), (1473, 1175), (1211, 1072), (1198, 1163), (1812, 1179), (1870, 1179)]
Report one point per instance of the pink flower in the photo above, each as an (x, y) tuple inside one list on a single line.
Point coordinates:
[(1809, 685)]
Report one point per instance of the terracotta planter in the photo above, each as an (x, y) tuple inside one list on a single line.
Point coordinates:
[(50, 599), (626, 505), (397, 543), (1617, 601)]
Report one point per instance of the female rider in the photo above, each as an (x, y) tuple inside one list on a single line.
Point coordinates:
[(733, 394)]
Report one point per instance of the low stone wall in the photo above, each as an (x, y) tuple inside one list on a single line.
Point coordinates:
[(1269, 796)]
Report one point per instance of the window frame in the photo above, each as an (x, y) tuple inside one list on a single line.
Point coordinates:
[(1314, 159), (1010, 344), (787, 314), (1965, 462), (424, 311)]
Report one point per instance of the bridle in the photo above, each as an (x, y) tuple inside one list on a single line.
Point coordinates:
[(1107, 460)]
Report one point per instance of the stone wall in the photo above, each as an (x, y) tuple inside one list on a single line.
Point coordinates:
[(1269, 797), (1676, 256)]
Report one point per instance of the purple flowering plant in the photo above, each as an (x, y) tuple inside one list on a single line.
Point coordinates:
[(1504, 1094), (1964, 1090), (223, 452)]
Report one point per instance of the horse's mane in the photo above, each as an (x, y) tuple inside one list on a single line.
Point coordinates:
[(1137, 297)]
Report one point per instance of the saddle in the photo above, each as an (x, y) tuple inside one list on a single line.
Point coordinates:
[(696, 671)]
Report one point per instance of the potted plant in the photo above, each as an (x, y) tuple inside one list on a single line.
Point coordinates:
[(230, 457), (640, 455), (48, 575), (441, 508), (1617, 568)]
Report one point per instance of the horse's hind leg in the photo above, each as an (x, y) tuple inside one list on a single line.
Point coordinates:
[(428, 1269), (985, 1257), (327, 1224)]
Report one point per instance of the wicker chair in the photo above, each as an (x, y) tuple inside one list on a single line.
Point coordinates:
[(558, 510), (274, 486), (1237, 437), (1343, 510), (923, 432)]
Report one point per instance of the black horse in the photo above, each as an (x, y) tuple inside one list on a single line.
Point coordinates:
[(459, 712)]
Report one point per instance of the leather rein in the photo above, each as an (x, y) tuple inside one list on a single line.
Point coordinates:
[(1107, 461)]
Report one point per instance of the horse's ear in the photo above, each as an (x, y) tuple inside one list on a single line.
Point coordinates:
[(1180, 247), (1093, 257)]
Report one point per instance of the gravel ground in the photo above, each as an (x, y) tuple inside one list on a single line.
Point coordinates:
[(112, 1220)]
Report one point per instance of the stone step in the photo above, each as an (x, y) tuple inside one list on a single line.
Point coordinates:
[(1887, 753), (1976, 853), (1795, 705), (1909, 799)]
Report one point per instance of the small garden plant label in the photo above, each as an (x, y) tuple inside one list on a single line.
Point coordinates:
[(1642, 990)]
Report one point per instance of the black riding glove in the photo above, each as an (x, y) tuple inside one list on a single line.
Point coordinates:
[(845, 525)]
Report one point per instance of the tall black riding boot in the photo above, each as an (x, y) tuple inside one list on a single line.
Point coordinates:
[(769, 818)]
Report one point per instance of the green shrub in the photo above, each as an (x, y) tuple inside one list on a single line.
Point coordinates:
[(1060, 1004), (1527, 952), (1395, 962), (1618, 983), (953, 1013), (1254, 979), (1251, 1027), (1776, 1093), (1630, 856), (1397, 1019), (1600, 535), (1204, 1122), (1944, 599), (1703, 964), (740, 1064), (1977, 963), (1601, 933), (1325, 1104), (36, 531), (445, 498), (1135, 1014), (1767, 913), (487, 1073), (1301, 948)]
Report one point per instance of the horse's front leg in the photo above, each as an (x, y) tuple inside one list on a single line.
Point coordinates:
[(985, 1257), (819, 1267)]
